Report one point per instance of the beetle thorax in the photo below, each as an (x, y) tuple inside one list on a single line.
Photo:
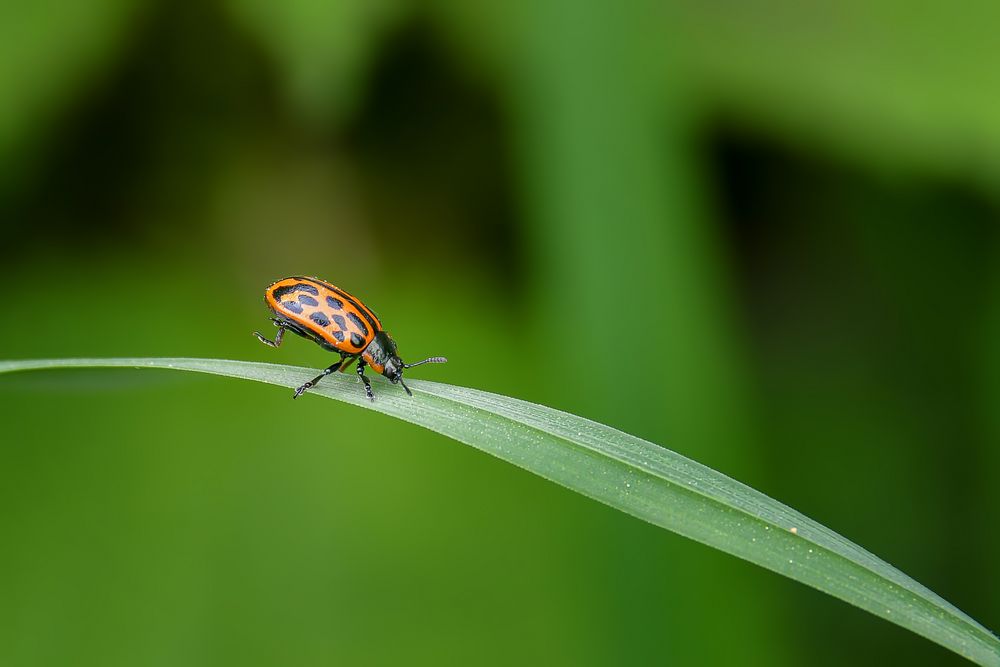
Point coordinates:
[(381, 355)]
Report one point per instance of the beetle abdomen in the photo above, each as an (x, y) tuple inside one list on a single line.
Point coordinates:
[(332, 316)]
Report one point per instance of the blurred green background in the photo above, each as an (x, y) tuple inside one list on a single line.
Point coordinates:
[(761, 234)]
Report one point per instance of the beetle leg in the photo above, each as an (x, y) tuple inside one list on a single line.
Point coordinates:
[(368, 384), (277, 337), (312, 383)]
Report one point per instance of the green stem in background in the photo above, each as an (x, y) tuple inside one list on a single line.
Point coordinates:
[(639, 478), (622, 250)]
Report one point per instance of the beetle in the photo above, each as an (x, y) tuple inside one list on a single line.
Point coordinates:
[(336, 321)]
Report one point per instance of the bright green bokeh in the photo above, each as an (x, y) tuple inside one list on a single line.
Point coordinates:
[(777, 228)]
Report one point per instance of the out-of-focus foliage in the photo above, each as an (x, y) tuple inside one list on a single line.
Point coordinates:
[(775, 224), (49, 51), (893, 85), (323, 49)]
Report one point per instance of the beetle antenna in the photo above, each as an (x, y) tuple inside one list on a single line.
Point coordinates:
[(429, 360), (405, 387)]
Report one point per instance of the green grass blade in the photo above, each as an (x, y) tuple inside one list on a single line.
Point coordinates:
[(639, 478)]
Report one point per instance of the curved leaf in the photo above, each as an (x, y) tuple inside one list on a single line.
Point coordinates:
[(640, 478)]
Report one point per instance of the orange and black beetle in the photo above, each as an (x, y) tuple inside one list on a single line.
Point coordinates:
[(338, 322)]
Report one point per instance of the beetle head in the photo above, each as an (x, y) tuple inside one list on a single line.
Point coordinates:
[(394, 369), (381, 354)]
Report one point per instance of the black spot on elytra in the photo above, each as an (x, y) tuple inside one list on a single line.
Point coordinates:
[(358, 323), (334, 303), (339, 335), (297, 287), (319, 318), (341, 322), (364, 310), (307, 300), (356, 340), (292, 306), (282, 291)]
